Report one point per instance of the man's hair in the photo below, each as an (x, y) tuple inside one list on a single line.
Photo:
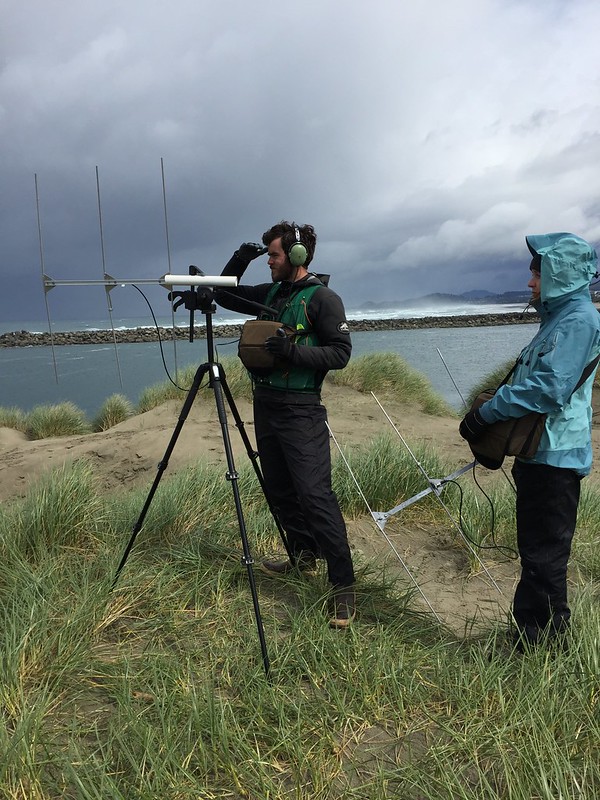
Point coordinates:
[(287, 232)]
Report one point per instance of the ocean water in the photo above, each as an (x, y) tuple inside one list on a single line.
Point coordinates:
[(453, 359), (227, 317)]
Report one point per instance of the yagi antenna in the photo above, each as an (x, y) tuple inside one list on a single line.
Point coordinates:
[(434, 486), (168, 280)]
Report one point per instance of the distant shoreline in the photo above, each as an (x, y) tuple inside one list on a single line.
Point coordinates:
[(141, 335)]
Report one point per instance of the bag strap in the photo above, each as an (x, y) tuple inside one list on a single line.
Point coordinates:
[(587, 372), (584, 375), (308, 290), (506, 377)]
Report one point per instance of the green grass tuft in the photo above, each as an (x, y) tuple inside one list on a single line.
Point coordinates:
[(236, 377), (389, 374), (115, 409), (64, 419), (12, 417)]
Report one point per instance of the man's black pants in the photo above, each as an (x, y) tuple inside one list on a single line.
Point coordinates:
[(293, 445), (547, 500)]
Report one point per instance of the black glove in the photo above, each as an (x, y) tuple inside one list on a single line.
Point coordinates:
[(189, 299), (281, 346), (472, 426), (239, 261), (248, 251)]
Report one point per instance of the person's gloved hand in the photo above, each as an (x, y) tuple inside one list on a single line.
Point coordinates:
[(239, 261), (281, 346), (472, 426), (248, 251)]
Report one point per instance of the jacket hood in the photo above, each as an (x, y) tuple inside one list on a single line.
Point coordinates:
[(568, 263)]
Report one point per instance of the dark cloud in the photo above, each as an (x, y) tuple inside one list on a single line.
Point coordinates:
[(423, 142)]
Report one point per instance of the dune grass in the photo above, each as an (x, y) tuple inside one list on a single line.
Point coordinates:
[(115, 409), (490, 380), (63, 419), (12, 417), (157, 689), (390, 374), (236, 377)]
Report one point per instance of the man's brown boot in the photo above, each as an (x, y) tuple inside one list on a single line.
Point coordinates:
[(343, 605), (305, 562)]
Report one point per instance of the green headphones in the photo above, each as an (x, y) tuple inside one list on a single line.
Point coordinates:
[(297, 253)]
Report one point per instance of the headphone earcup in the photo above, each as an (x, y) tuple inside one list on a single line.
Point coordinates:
[(297, 254)]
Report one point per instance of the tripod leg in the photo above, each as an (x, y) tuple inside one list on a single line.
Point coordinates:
[(232, 476), (200, 372), (253, 456)]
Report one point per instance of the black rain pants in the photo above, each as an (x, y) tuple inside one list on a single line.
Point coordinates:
[(295, 459), (547, 501)]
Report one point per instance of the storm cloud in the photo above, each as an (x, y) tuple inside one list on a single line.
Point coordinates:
[(423, 141)]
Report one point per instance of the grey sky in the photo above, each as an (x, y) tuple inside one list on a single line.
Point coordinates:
[(422, 140)]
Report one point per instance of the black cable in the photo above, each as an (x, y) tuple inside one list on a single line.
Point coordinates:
[(160, 343), (162, 354), (508, 552), (225, 344)]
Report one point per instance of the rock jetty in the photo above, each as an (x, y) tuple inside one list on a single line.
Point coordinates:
[(137, 335)]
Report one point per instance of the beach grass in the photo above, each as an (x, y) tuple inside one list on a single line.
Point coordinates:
[(157, 688), (389, 374), (490, 380), (230, 369), (115, 409), (62, 419), (13, 417)]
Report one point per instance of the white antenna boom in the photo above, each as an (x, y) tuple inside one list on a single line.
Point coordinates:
[(165, 280)]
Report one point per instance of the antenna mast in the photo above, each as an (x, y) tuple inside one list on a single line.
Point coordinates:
[(44, 277), (107, 287)]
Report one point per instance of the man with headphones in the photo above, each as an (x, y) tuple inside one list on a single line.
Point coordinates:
[(290, 421)]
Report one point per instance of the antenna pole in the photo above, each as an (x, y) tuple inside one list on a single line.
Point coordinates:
[(107, 287), (164, 195), (451, 378), (39, 229)]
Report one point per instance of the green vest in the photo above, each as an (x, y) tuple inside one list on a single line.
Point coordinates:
[(294, 315)]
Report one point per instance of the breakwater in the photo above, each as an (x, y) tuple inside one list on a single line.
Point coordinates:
[(137, 335)]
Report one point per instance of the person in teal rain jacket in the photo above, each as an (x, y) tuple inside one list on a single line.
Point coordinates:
[(545, 380)]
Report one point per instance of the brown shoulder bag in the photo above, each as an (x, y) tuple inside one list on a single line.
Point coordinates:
[(516, 436), (251, 348)]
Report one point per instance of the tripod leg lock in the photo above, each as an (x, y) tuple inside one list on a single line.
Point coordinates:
[(232, 476), (247, 561)]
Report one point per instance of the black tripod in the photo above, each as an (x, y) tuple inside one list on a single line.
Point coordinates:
[(202, 299)]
